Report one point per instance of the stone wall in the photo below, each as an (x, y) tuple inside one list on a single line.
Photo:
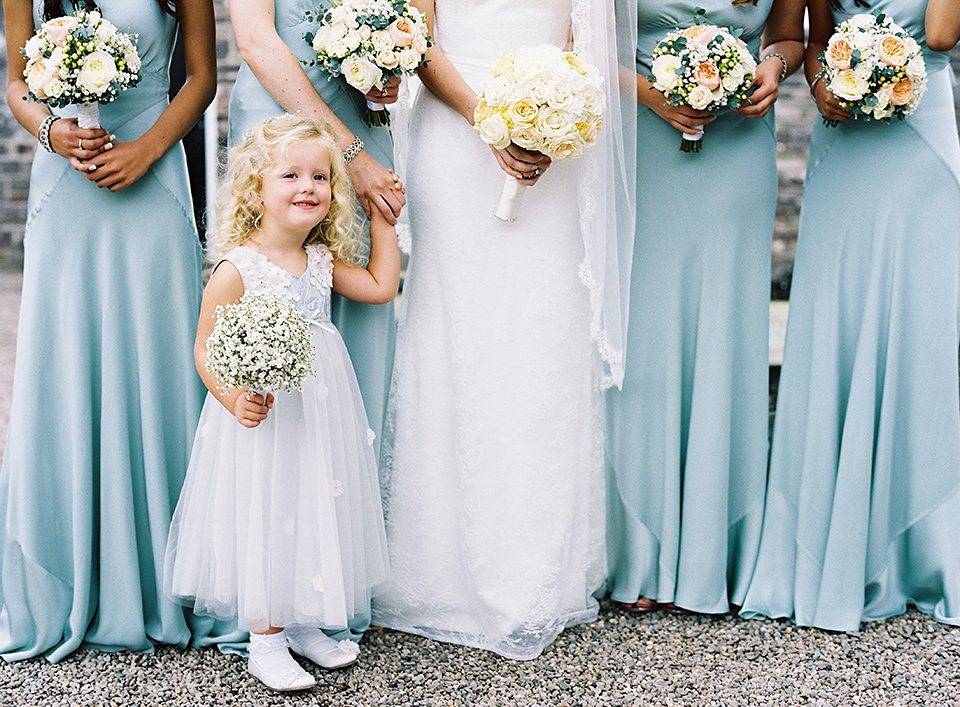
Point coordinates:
[(795, 116)]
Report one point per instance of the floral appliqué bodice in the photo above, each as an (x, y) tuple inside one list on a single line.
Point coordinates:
[(309, 293)]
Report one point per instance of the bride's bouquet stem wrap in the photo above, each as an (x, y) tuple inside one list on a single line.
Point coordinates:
[(80, 59), (874, 67), (544, 100), (367, 42), (510, 197), (705, 67)]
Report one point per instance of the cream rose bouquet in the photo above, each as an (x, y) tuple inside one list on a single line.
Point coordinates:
[(261, 344), (705, 67), (542, 99), (874, 67), (367, 42), (83, 59)]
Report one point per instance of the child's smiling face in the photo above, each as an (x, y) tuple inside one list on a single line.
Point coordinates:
[(296, 189)]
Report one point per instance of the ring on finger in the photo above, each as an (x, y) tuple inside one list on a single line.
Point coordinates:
[(80, 144)]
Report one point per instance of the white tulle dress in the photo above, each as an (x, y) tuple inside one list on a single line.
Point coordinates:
[(492, 458), (282, 524)]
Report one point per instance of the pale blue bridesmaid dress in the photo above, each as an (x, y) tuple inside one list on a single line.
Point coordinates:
[(106, 397), (687, 435), (863, 507), (368, 330)]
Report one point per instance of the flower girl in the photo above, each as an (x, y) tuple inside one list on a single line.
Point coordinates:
[(279, 523)]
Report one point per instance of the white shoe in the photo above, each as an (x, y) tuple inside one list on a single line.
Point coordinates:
[(319, 648), (271, 663)]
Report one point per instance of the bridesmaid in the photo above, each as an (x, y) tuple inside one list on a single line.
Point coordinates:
[(105, 396), (863, 506), (272, 80), (687, 435)]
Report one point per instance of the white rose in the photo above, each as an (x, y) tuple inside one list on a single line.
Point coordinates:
[(916, 67), (496, 90), (593, 100), (526, 137), (420, 44), (410, 59), (388, 59), (883, 100), (381, 40), (700, 97), (94, 17), (365, 32), (493, 131), (55, 88), (529, 63), (33, 47), (861, 21), (734, 78), (55, 61), (132, 58), (554, 123), (664, 71), (352, 40), (105, 31), (360, 73), (343, 15), (321, 40), (560, 96), (862, 41), (564, 146), (97, 72), (849, 86)]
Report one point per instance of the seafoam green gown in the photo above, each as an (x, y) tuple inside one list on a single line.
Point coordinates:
[(863, 508), (105, 397), (687, 435), (369, 331)]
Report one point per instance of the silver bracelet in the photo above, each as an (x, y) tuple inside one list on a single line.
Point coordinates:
[(353, 149), (783, 60), (813, 84), (43, 134)]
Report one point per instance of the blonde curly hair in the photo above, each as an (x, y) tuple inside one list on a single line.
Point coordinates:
[(239, 197)]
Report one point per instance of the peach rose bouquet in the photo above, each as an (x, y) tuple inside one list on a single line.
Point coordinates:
[(83, 59), (542, 99), (874, 67), (705, 67), (367, 42)]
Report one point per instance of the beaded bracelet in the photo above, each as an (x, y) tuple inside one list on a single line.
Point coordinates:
[(353, 149), (783, 60), (813, 84), (43, 134)]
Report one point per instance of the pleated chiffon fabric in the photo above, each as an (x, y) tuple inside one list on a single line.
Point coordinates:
[(687, 434), (106, 397), (863, 506)]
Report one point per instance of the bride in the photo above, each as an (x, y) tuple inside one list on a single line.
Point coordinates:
[(492, 457)]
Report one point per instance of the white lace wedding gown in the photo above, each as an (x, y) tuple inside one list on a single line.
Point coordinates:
[(492, 459)]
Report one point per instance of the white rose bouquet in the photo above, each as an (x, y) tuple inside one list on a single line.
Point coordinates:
[(80, 58), (542, 99), (261, 344), (367, 42), (874, 67), (705, 67)]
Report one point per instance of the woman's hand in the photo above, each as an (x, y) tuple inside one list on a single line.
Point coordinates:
[(251, 409), (119, 167), (828, 104), (526, 165), (374, 186), (684, 118), (387, 95), (77, 144), (766, 83)]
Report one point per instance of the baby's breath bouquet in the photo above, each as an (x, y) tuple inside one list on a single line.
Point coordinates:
[(367, 42), (261, 344), (705, 67), (542, 99), (874, 67), (83, 59)]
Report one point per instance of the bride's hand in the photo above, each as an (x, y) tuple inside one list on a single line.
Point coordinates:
[(389, 93), (683, 118), (525, 165)]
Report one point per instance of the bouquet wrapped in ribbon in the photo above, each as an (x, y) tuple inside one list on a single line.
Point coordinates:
[(705, 67), (260, 344), (874, 67), (83, 59), (542, 99), (367, 42)]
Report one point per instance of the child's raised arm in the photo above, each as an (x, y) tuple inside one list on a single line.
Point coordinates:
[(225, 287), (378, 282)]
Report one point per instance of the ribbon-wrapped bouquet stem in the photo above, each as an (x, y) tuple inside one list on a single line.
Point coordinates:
[(83, 59), (542, 99), (367, 42)]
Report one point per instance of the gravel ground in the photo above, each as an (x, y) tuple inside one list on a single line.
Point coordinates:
[(621, 659)]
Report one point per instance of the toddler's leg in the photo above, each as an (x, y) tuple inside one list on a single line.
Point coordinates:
[(313, 644), (271, 663)]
